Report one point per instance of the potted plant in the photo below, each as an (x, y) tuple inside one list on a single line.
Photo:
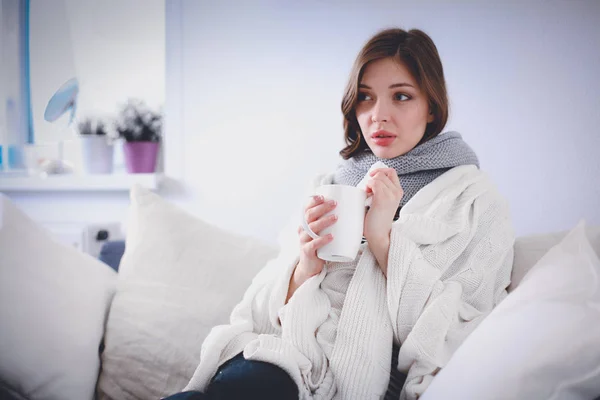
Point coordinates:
[(96, 145), (141, 128)]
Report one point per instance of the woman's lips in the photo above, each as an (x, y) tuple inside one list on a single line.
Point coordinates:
[(383, 138), (383, 141)]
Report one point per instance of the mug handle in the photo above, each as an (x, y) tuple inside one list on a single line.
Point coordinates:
[(306, 227)]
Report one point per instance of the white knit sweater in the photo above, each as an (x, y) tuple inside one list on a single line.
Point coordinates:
[(449, 264)]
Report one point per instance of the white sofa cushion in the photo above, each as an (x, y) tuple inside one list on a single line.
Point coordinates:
[(178, 278), (54, 301), (542, 341), (530, 249)]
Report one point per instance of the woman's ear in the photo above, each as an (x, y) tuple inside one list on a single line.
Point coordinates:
[(430, 116)]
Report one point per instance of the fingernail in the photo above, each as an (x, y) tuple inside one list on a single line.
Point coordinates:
[(332, 202), (319, 198)]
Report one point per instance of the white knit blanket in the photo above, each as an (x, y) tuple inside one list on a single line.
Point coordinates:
[(449, 264)]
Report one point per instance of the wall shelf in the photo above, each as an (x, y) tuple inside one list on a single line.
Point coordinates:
[(78, 183)]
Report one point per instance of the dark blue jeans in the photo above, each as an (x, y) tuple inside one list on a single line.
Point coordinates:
[(239, 378)]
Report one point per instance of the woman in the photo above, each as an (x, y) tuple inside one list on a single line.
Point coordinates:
[(436, 259)]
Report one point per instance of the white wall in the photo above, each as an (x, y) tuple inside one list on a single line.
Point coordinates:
[(254, 108)]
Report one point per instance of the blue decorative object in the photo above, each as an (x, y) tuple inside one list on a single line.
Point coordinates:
[(63, 100)]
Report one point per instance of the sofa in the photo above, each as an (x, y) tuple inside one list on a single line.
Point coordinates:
[(130, 324)]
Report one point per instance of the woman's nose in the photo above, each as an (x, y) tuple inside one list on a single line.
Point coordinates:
[(380, 112)]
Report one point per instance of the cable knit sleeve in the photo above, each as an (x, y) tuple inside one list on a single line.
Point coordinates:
[(267, 294), (258, 326), (296, 346), (274, 280), (447, 269)]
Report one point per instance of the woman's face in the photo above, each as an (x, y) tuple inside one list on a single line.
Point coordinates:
[(392, 112)]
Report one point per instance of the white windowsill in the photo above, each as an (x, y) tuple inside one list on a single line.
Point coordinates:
[(79, 183)]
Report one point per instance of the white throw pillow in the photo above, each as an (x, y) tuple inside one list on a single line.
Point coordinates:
[(54, 302), (542, 341), (178, 278)]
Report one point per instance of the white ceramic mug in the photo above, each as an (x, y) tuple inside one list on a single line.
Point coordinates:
[(348, 229)]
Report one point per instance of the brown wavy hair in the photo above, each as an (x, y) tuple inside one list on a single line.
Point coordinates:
[(418, 53)]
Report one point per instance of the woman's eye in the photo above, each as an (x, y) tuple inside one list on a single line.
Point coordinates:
[(363, 97), (401, 97)]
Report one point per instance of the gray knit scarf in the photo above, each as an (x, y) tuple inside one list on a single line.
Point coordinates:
[(417, 168)]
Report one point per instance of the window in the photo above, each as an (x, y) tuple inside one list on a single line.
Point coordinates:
[(15, 122)]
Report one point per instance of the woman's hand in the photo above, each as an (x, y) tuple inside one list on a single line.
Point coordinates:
[(309, 263), (384, 186)]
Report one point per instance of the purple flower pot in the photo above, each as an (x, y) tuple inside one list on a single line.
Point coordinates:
[(140, 157)]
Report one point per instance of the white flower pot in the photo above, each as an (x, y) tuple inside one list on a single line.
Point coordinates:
[(97, 154)]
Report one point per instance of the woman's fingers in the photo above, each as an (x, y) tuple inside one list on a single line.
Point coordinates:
[(317, 208), (322, 223), (304, 237), (381, 188), (389, 180), (315, 201), (394, 178), (316, 226), (315, 244), (379, 183), (385, 179), (314, 214), (389, 175), (309, 244)]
